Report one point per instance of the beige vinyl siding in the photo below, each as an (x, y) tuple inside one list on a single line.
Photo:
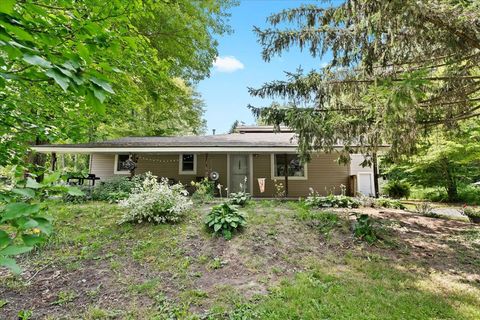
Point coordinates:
[(324, 175), (168, 166), (162, 166), (102, 165)]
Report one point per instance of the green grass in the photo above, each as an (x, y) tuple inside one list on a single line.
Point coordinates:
[(466, 194), (305, 259), (364, 290)]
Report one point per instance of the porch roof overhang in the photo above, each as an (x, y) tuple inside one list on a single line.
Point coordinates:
[(169, 150), (241, 142)]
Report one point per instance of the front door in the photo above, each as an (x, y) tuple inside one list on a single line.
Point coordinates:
[(239, 173)]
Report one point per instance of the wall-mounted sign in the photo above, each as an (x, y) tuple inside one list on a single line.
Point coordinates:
[(261, 184)]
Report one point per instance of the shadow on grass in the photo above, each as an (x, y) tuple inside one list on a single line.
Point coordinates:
[(439, 244), (362, 290)]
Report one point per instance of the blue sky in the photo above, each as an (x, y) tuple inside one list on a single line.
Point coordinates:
[(240, 65)]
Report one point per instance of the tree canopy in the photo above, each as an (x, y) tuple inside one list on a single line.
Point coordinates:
[(448, 161), (399, 69), (87, 70)]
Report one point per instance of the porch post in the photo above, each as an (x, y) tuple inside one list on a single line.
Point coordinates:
[(286, 174), (134, 159), (53, 161), (206, 165)]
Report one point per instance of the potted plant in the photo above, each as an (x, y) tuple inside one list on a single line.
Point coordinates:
[(472, 214)]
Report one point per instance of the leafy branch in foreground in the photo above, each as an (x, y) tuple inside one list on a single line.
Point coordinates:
[(63, 66), (24, 219), (398, 69)]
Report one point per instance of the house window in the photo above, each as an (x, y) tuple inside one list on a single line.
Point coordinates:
[(296, 169), (188, 163), (120, 167)]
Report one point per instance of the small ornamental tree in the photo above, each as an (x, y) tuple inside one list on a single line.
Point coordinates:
[(157, 202)]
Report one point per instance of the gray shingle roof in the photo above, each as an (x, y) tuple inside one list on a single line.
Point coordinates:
[(247, 139)]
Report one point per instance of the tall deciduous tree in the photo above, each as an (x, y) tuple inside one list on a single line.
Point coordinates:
[(399, 68), (87, 70)]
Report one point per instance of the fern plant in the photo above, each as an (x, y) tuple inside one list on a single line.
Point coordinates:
[(225, 219)]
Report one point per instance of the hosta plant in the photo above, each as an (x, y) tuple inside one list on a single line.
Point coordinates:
[(239, 198), (389, 203), (158, 202), (330, 201), (225, 219), (364, 228)]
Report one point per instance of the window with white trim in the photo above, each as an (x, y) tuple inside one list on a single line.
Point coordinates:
[(120, 160), (296, 169), (188, 163)]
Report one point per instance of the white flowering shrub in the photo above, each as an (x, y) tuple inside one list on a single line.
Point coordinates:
[(159, 202)]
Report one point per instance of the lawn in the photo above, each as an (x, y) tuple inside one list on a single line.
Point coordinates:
[(288, 263)]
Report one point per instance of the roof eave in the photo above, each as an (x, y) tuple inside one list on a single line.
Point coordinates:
[(176, 149)]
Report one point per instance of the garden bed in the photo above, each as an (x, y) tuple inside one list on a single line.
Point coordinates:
[(289, 261)]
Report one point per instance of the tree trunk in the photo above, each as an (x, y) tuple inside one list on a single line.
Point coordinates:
[(39, 160), (451, 186), (53, 160), (375, 174)]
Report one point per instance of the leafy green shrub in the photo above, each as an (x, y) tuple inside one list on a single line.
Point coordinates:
[(115, 189), (466, 194), (78, 198), (24, 212), (224, 219), (472, 214), (469, 194), (239, 198), (425, 209), (204, 190), (364, 228), (323, 221), (389, 203), (152, 201), (437, 195), (331, 201), (430, 194), (117, 196), (397, 189)]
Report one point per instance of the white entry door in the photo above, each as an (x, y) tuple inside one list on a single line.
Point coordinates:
[(365, 183), (238, 172)]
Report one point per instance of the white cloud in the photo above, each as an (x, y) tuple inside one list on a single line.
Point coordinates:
[(227, 64)]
